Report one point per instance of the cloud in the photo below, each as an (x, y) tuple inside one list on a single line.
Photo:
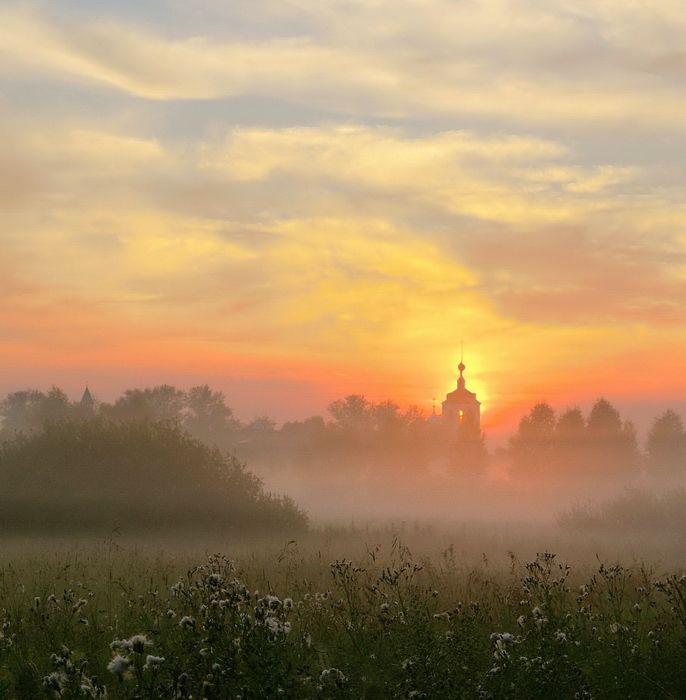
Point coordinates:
[(516, 62), (337, 227)]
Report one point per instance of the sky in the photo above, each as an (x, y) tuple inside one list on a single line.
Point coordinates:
[(296, 200)]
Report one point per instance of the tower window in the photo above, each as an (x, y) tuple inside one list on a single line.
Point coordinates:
[(460, 416)]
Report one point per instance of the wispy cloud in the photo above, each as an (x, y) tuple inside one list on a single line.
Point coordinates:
[(515, 61)]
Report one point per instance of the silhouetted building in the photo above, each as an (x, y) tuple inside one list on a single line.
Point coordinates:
[(462, 411)]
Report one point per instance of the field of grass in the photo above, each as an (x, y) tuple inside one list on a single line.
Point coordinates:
[(356, 614)]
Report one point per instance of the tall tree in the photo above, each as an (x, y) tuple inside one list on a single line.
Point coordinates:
[(666, 445), (571, 450), (612, 445), (354, 411), (207, 416), (160, 403), (29, 409), (531, 447)]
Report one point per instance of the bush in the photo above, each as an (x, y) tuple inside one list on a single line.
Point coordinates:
[(145, 474)]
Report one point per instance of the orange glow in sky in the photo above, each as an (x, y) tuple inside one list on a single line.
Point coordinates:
[(296, 203)]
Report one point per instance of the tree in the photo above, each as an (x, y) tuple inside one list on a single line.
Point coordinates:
[(28, 410), (207, 416), (531, 447), (354, 411), (612, 445), (569, 442), (141, 473), (666, 445), (163, 402)]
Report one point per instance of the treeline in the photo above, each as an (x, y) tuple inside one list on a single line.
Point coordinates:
[(370, 441), (360, 437), (598, 446), (82, 469)]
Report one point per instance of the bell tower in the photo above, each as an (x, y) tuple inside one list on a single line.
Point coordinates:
[(461, 410)]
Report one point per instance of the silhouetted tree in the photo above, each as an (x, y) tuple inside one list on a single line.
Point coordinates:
[(207, 416), (612, 445), (569, 443), (142, 473), (531, 447), (354, 411), (160, 403), (28, 410), (666, 446)]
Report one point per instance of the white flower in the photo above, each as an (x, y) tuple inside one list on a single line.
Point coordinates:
[(333, 674), (151, 660), (385, 607), (185, 622), (287, 603), (445, 616), (118, 666), (138, 643), (53, 681), (122, 644)]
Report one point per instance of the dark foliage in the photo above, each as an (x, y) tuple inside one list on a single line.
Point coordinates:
[(85, 474)]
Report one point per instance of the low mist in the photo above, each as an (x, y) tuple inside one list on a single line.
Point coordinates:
[(164, 460)]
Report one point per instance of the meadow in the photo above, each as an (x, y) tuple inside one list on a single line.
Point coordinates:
[(396, 611)]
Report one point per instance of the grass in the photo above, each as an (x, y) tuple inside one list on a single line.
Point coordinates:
[(335, 618)]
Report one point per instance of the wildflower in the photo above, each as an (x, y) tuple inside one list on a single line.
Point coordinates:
[(215, 579), (187, 622), (637, 607), (307, 640), (138, 643), (286, 627), (287, 603), (118, 666), (333, 675), (121, 644), (507, 637), (206, 653), (560, 636), (521, 620), (83, 621), (151, 660), (170, 613), (53, 681), (385, 607), (271, 601), (445, 616)]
